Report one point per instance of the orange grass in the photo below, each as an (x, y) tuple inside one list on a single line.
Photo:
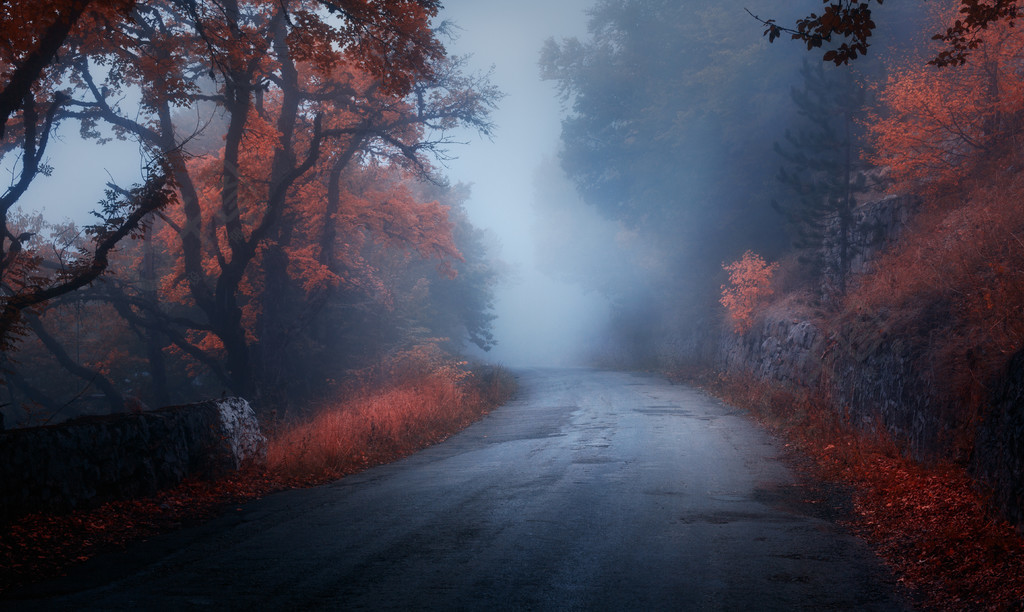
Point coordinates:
[(373, 428), (430, 401), (929, 523)]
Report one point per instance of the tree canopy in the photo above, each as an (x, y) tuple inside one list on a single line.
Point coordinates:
[(845, 29), (289, 143)]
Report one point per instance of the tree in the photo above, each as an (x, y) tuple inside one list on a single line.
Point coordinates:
[(296, 94), (750, 279), (318, 123), (671, 113), (850, 24), (822, 166), (939, 127), (390, 37)]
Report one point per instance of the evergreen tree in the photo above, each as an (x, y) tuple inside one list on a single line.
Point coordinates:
[(823, 170)]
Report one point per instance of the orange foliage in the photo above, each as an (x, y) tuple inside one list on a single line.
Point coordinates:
[(749, 285), (370, 428), (930, 524), (427, 396), (938, 126), (954, 135), (967, 261)]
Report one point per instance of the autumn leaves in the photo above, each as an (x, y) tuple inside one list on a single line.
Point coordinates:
[(297, 137)]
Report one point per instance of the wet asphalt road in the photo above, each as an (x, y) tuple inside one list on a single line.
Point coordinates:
[(591, 491)]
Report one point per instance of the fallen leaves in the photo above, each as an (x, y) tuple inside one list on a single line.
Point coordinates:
[(930, 524), (38, 547)]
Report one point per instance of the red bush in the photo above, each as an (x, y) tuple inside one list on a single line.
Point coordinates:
[(749, 285)]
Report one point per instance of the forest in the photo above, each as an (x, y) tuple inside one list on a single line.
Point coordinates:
[(293, 238), (290, 232), (743, 173)]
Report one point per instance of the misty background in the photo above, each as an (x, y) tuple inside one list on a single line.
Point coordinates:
[(633, 153), (541, 319)]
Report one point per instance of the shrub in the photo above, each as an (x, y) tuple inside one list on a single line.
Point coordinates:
[(749, 285)]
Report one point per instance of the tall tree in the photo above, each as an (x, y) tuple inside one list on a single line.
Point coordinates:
[(822, 168), (670, 114), (295, 92), (302, 100)]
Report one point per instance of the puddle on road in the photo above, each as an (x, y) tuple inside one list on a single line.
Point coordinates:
[(779, 504), (825, 501), (594, 460), (663, 410), (663, 492)]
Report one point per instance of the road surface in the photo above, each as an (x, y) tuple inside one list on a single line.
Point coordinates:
[(591, 491)]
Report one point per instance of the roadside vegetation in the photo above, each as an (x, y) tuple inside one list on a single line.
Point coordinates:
[(419, 398), (931, 524), (429, 396)]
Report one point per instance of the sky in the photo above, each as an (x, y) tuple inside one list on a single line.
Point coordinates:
[(541, 321)]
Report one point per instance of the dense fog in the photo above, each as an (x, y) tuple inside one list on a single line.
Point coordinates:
[(524, 192)]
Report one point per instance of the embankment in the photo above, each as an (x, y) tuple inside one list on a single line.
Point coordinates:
[(93, 460), (878, 371)]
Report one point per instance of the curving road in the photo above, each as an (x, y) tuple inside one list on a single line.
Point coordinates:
[(593, 490)]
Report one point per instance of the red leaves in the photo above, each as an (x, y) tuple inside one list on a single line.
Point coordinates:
[(851, 21), (929, 524), (937, 126), (964, 35), (749, 285), (390, 39), (425, 410)]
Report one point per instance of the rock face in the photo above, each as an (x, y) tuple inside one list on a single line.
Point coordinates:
[(874, 226), (868, 368), (999, 449), (93, 460), (780, 349)]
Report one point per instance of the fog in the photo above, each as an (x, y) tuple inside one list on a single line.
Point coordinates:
[(563, 261), (542, 319), (621, 264), (582, 217)]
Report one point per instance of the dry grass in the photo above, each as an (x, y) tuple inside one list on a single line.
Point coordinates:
[(375, 427), (964, 257), (426, 401), (930, 524)]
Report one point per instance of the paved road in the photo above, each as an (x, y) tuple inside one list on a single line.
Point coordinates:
[(593, 490)]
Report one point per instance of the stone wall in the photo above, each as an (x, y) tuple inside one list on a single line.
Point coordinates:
[(875, 225), (867, 370), (782, 349), (999, 456), (869, 367), (92, 460)]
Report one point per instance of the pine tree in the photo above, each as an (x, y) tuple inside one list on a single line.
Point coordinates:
[(822, 168)]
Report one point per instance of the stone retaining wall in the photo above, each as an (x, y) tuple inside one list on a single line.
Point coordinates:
[(92, 460), (869, 368)]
